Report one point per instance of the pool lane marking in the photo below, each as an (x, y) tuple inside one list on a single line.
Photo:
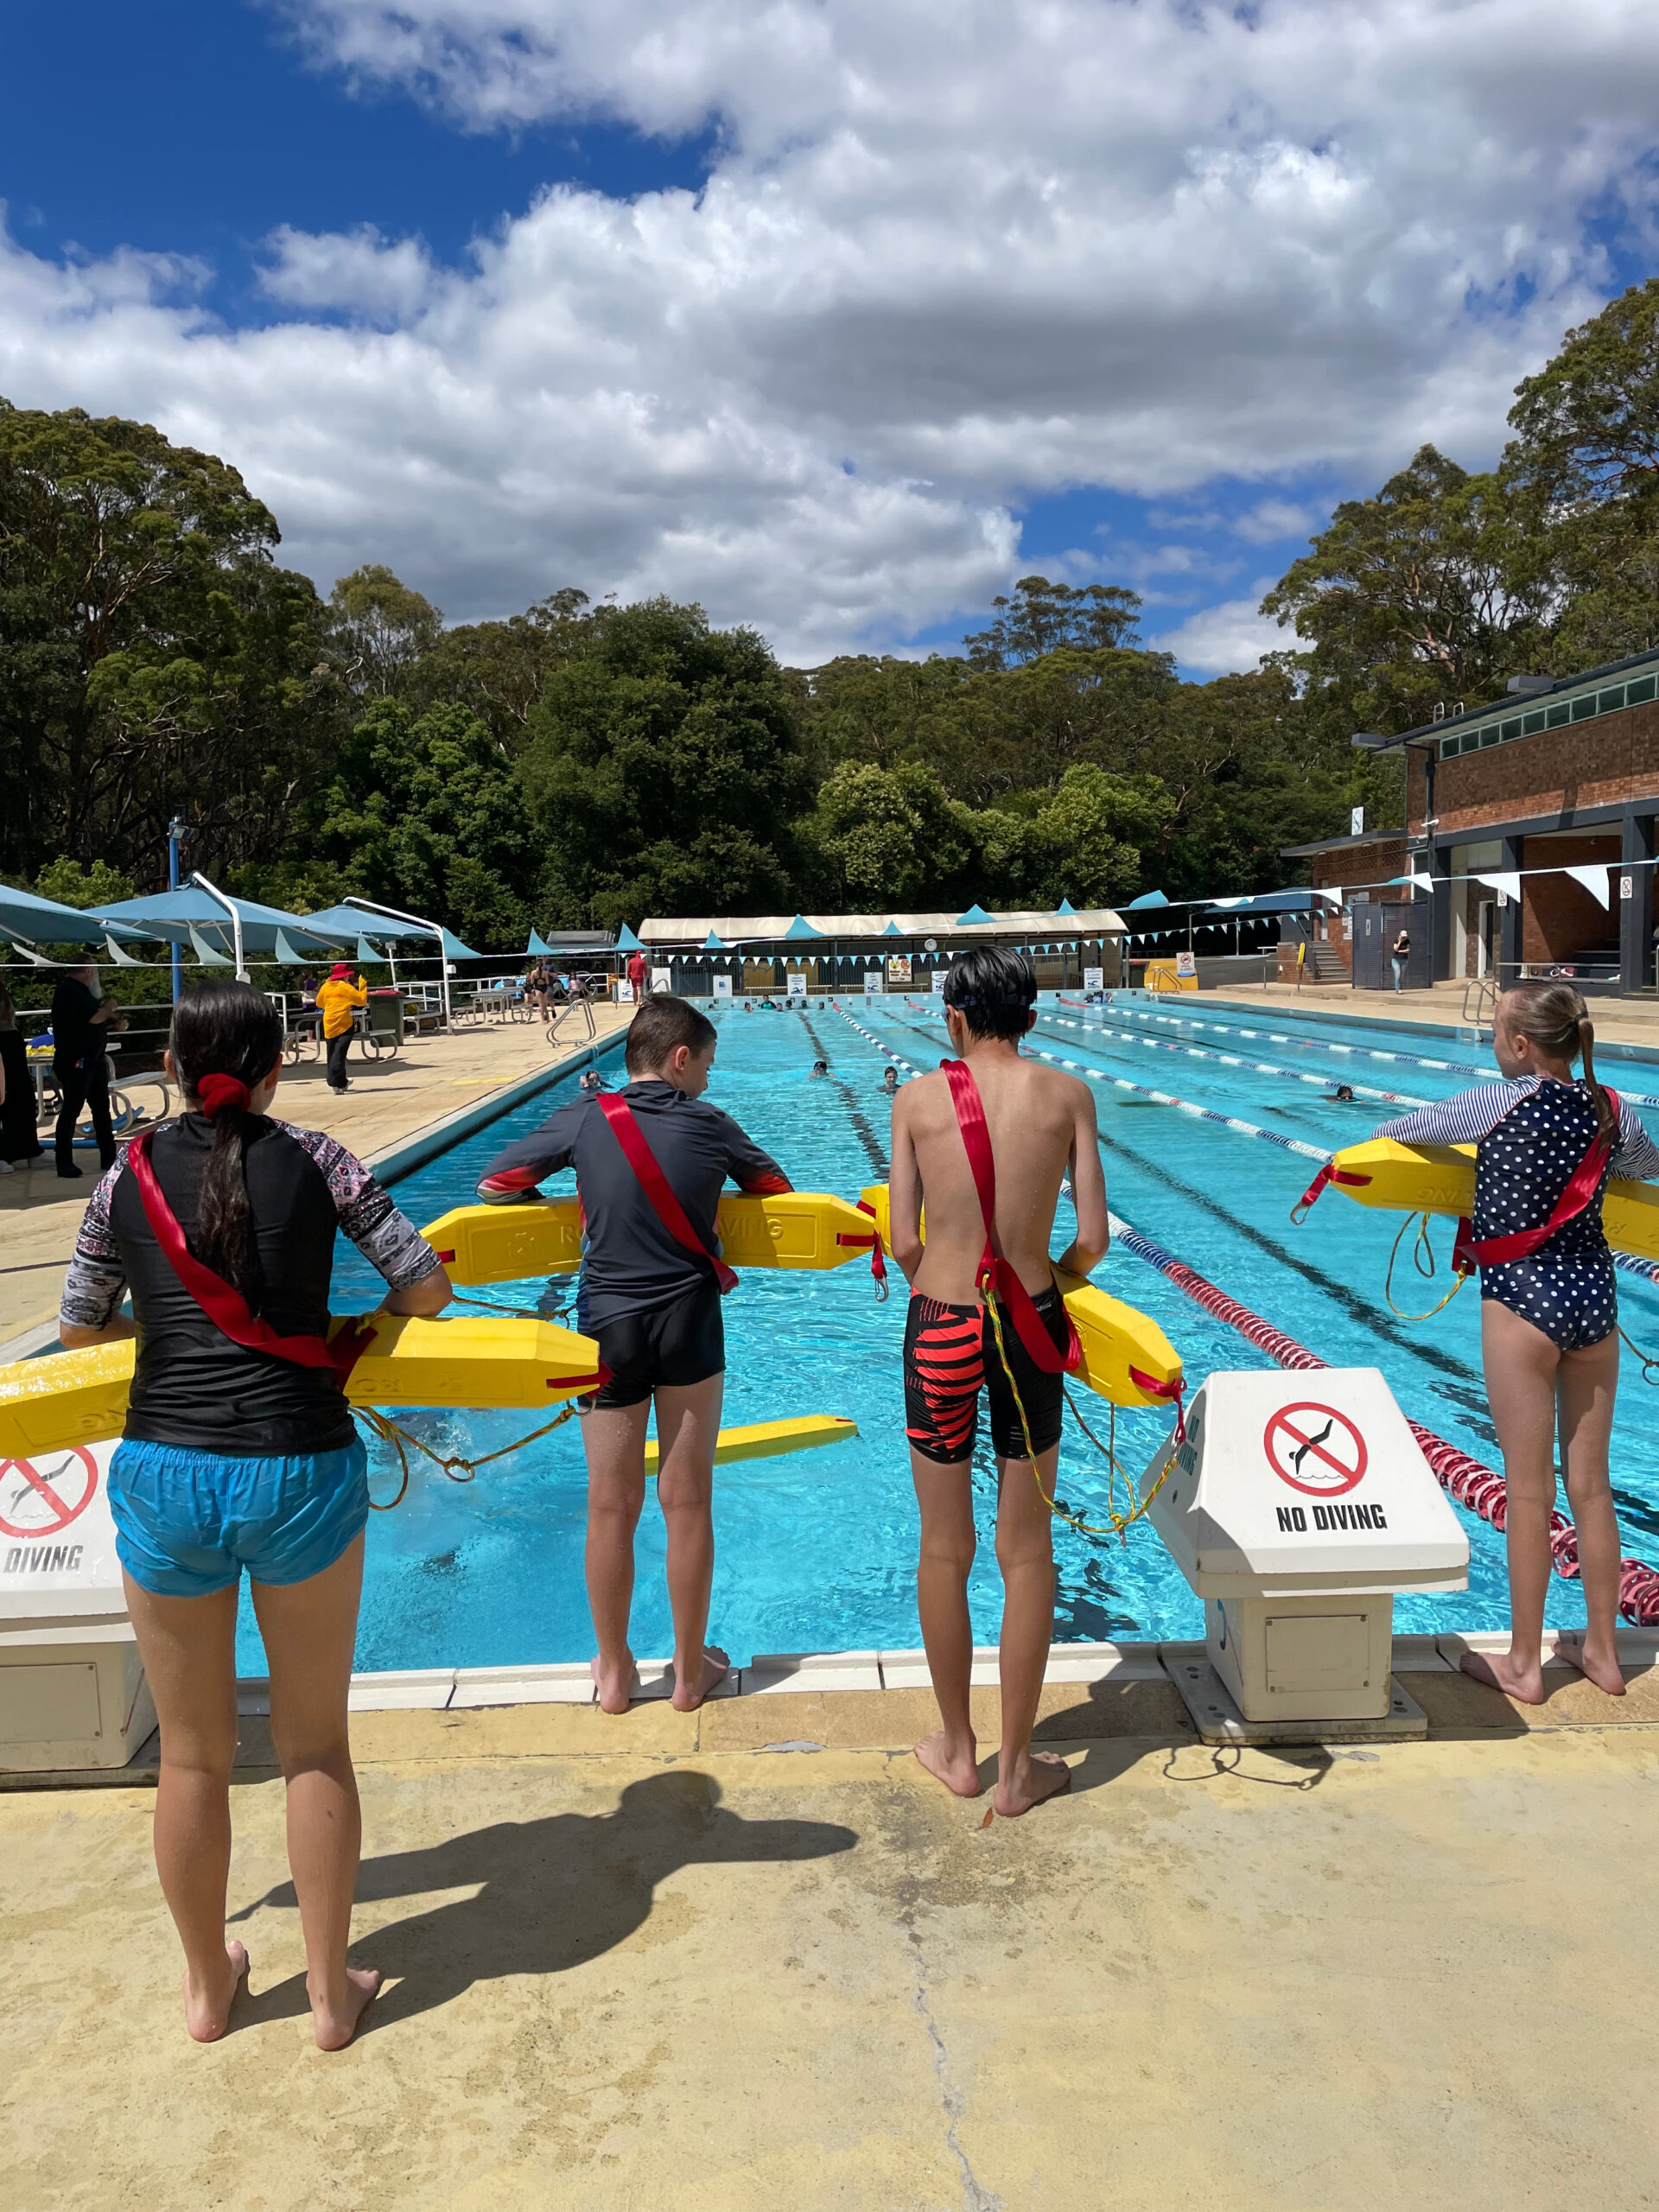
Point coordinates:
[(862, 1128), (1323, 1044)]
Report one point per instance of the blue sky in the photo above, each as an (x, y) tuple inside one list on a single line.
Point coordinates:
[(882, 365)]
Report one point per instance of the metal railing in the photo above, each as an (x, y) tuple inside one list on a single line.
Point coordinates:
[(1479, 1001), (577, 1006)]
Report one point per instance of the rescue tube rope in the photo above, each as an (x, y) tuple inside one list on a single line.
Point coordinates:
[(391, 1432), (1319, 1045), (1467, 1480)]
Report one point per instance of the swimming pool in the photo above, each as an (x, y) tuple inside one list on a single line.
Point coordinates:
[(816, 1553)]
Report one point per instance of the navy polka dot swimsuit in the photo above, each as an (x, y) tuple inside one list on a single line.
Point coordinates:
[(1567, 1288)]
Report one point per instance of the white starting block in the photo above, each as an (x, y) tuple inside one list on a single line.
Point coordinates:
[(1297, 1507), (73, 1692)]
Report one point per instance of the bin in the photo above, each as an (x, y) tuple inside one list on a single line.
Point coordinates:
[(386, 1014), (1297, 1507)]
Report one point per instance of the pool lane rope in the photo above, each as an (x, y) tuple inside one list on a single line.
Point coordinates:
[(1314, 1044), (1629, 1262), (1235, 1060), (1471, 1483), (1474, 1485)]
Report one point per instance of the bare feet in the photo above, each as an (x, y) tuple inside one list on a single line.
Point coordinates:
[(617, 1685), (688, 1696), (208, 2011), (336, 2025), (1036, 1775), (958, 1770), (1521, 1679), (1598, 1667)]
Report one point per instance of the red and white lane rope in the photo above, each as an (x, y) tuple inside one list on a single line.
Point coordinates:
[(1121, 1013), (1473, 1484), (1233, 1060)]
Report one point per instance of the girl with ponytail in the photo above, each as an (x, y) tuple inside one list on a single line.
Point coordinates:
[(239, 1452), (1545, 1147)]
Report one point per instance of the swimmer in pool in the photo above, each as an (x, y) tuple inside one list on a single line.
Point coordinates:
[(1342, 1096), (890, 1081), (591, 1079), (820, 1067), (1548, 1310)]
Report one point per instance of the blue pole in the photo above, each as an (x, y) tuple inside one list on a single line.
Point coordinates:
[(175, 833)]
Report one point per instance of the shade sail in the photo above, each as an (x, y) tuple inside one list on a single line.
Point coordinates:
[(799, 929), (975, 914), (192, 916), (454, 949), (626, 941), (687, 930), (710, 943), (1146, 899), (535, 948), (1267, 902), (343, 924), (44, 921), (1065, 907)]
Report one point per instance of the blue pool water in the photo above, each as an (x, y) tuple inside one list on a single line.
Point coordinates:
[(817, 1552)]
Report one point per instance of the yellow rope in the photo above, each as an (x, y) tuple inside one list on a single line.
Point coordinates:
[(391, 1432), (1121, 1522), (1420, 1247)]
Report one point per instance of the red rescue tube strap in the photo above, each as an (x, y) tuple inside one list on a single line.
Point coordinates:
[(644, 1162), (1472, 1251), (221, 1301), (995, 1276)]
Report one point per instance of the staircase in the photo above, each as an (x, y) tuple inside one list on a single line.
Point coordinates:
[(1326, 964)]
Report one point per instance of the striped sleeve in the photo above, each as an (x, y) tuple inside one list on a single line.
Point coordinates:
[(96, 1282), (388, 1240), (1636, 1159), (1463, 1120)]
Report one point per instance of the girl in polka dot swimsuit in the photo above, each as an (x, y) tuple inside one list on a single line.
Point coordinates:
[(1549, 1319)]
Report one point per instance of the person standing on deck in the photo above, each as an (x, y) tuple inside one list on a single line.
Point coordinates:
[(637, 972), (239, 1451), (1037, 1125), (340, 998), (1545, 1149), (1400, 959), (82, 1019), (649, 1161)]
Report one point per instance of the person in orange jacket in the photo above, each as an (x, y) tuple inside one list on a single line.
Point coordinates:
[(340, 998)]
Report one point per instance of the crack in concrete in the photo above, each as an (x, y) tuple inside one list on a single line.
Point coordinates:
[(975, 2196)]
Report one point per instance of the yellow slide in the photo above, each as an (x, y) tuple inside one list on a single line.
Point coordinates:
[(796, 1229), (1440, 1178), (1116, 1338), (75, 1397)]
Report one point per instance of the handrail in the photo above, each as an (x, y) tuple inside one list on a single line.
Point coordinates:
[(1483, 989), (588, 1012)]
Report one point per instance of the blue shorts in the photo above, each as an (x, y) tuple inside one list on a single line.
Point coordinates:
[(186, 1522)]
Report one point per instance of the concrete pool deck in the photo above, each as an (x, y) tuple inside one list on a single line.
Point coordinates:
[(754, 1958), (432, 1079)]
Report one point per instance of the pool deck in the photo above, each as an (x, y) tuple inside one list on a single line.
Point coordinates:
[(754, 1958), (432, 1079)]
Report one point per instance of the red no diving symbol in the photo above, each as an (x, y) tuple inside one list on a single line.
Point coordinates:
[(1315, 1449), (41, 1499)]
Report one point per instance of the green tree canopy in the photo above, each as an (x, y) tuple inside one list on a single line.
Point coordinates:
[(1041, 616), (663, 766), (381, 628)]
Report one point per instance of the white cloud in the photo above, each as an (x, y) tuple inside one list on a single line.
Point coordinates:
[(1268, 520), (1225, 640), (975, 253)]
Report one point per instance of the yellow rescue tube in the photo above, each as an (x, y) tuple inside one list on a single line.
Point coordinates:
[(768, 1439), (1116, 1338), (76, 1397), (795, 1228), (1440, 1178)]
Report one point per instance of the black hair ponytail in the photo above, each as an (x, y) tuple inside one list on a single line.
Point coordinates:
[(228, 1030)]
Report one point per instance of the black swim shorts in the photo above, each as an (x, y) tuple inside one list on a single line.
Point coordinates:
[(949, 1352), (677, 1345)]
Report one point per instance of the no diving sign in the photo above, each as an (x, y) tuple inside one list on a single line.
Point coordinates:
[(1315, 1449), (40, 1497)]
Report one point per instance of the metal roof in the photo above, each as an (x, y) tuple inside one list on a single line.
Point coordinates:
[(774, 929)]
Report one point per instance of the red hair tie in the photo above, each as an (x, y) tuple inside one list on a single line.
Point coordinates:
[(215, 1092)]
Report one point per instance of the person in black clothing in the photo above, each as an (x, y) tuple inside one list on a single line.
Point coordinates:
[(239, 1452), (20, 1146), (654, 1306), (80, 1022)]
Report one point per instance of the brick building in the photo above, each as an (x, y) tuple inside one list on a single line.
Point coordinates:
[(1501, 801)]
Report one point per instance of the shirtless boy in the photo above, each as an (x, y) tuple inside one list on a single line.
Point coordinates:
[(1041, 1124), (654, 1306)]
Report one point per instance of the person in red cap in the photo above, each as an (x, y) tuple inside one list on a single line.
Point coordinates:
[(339, 999)]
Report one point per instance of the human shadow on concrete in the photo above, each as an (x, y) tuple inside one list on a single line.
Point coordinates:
[(551, 1894)]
